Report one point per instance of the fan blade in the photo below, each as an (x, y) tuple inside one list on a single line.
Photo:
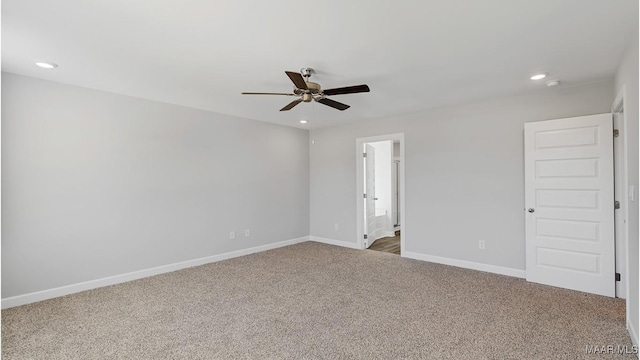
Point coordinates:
[(297, 79), (263, 93), (347, 90), (291, 105), (333, 104)]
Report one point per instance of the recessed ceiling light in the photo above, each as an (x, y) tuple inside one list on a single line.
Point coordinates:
[(303, 121), (538, 76), (46, 65)]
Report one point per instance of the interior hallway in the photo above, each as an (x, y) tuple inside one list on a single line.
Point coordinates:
[(388, 244)]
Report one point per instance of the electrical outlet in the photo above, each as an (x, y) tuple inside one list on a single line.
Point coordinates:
[(247, 233), (336, 227), (481, 244), (232, 235)]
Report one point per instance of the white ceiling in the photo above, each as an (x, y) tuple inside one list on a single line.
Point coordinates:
[(414, 55)]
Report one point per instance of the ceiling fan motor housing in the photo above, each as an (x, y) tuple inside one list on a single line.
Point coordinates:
[(307, 94)]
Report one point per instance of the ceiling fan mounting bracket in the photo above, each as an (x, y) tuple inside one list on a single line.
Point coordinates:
[(306, 72)]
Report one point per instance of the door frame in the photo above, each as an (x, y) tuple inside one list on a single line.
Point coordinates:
[(360, 188), (370, 225), (622, 172)]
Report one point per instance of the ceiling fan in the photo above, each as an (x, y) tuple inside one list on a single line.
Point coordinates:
[(308, 91)]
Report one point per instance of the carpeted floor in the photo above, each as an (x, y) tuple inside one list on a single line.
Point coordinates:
[(316, 301)]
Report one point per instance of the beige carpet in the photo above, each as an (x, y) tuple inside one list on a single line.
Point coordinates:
[(315, 301)]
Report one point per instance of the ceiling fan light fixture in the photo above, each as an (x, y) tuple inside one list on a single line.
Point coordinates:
[(539, 76), (303, 121)]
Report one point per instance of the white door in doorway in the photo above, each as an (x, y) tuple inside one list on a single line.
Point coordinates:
[(370, 195), (570, 202)]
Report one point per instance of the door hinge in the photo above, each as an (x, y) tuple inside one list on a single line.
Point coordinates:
[(364, 155), (617, 276), (616, 133), (365, 236), (364, 196), (616, 205)]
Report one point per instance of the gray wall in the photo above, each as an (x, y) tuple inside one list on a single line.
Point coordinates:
[(464, 173), (627, 76), (96, 184)]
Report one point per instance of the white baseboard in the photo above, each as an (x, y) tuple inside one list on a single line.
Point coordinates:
[(346, 244), (466, 264), (632, 332), (117, 279)]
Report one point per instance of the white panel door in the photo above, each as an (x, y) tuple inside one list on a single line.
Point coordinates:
[(569, 203), (370, 202)]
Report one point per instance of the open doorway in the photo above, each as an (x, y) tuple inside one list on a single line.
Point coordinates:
[(380, 209)]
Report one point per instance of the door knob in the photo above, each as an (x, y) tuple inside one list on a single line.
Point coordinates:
[(531, 210)]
